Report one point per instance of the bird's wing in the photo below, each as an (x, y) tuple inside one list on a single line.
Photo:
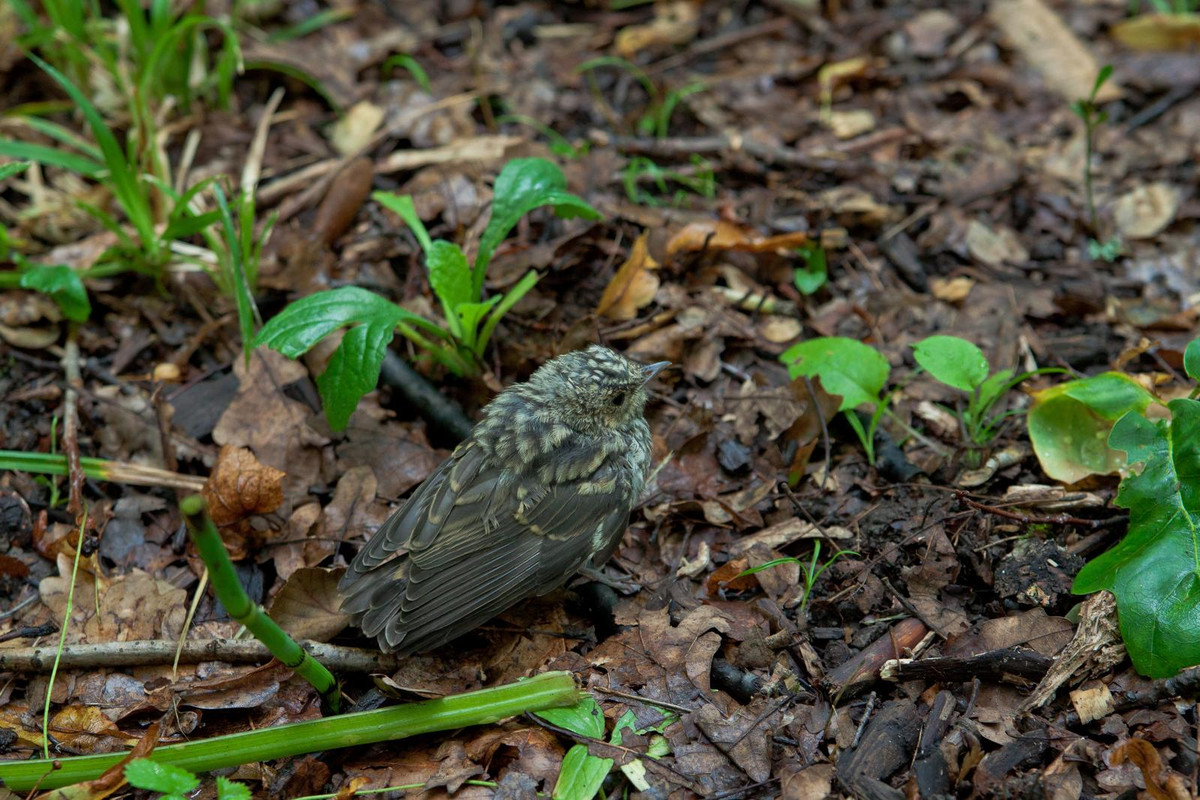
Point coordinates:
[(475, 548)]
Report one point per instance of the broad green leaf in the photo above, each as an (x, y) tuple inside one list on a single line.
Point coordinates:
[(142, 773), (231, 790), (846, 367), (63, 285), (953, 361), (1191, 359), (584, 718), (309, 320), (449, 274), (523, 185), (581, 775), (1069, 424), (1155, 571), (353, 369)]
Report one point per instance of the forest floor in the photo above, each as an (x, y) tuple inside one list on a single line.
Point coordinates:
[(930, 154)]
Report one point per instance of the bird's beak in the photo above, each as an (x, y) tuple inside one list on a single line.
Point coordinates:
[(650, 370)]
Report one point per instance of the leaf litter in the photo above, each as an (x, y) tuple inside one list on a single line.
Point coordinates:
[(931, 153)]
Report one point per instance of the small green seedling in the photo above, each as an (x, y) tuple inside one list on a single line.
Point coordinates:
[(815, 272), (656, 118), (469, 320), (1093, 117), (582, 774), (702, 183), (177, 783), (848, 368), (406, 62), (559, 145), (961, 365), (810, 570)]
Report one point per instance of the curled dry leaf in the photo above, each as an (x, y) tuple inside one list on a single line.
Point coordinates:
[(674, 23), (1147, 210), (241, 485), (633, 286), (722, 234), (309, 606)]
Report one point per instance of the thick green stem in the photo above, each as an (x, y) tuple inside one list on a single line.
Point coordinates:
[(231, 594), (550, 690)]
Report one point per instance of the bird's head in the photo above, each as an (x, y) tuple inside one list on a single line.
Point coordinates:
[(595, 388)]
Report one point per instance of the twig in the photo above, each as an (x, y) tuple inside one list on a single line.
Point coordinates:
[(1032, 519), (431, 404), (686, 146), (862, 725), (644, 700), (70, 361), (156, 652)]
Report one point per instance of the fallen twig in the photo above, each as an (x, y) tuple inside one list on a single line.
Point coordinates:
[(155, 652)]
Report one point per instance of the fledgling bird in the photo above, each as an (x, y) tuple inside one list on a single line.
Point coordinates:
[(541, 488)]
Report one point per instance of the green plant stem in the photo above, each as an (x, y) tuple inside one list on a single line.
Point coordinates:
[(549, 690), (62, 639), (231, 594)]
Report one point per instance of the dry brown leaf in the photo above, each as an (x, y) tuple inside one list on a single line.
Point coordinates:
[(1159, 32), (354, 130), (309, 605), (1144, 212), (1044, 40), (951, 290), (1142, 754), (674, 23), (720, 234), (241, 485), (633, 286)]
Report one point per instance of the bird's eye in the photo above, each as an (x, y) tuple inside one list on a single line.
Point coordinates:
[(618, 399)]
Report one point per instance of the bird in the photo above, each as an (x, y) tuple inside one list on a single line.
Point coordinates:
[(541, 489)]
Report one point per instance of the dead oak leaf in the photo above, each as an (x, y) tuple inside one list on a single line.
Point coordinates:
[(241, 485), (634, 285), (309, 605), (263, 418), (715, 235)]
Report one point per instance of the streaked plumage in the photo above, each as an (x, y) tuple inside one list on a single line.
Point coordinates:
[(543, 486)]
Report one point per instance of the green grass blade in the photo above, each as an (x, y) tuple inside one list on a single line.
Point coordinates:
[(51, 156)]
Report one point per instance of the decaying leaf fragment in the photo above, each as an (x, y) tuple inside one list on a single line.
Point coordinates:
[(633, 286)]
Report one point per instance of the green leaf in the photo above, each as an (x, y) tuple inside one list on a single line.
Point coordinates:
[(953, 361), (52, 156), (231, 790), (523, 185), (1101, 78), (1155, 571), (353, 369), (1069, 424), (846, 367), (584, 718), (991, 389), (402, 206), (15, 168), (581, 775), (63, 285), (142, 773), (468, 316), (814, 274), (307, 321), (1191, 359), (449, 274)]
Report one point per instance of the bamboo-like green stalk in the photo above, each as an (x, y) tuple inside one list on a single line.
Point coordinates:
[(231, 594), (549, 690), (99, 468)]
